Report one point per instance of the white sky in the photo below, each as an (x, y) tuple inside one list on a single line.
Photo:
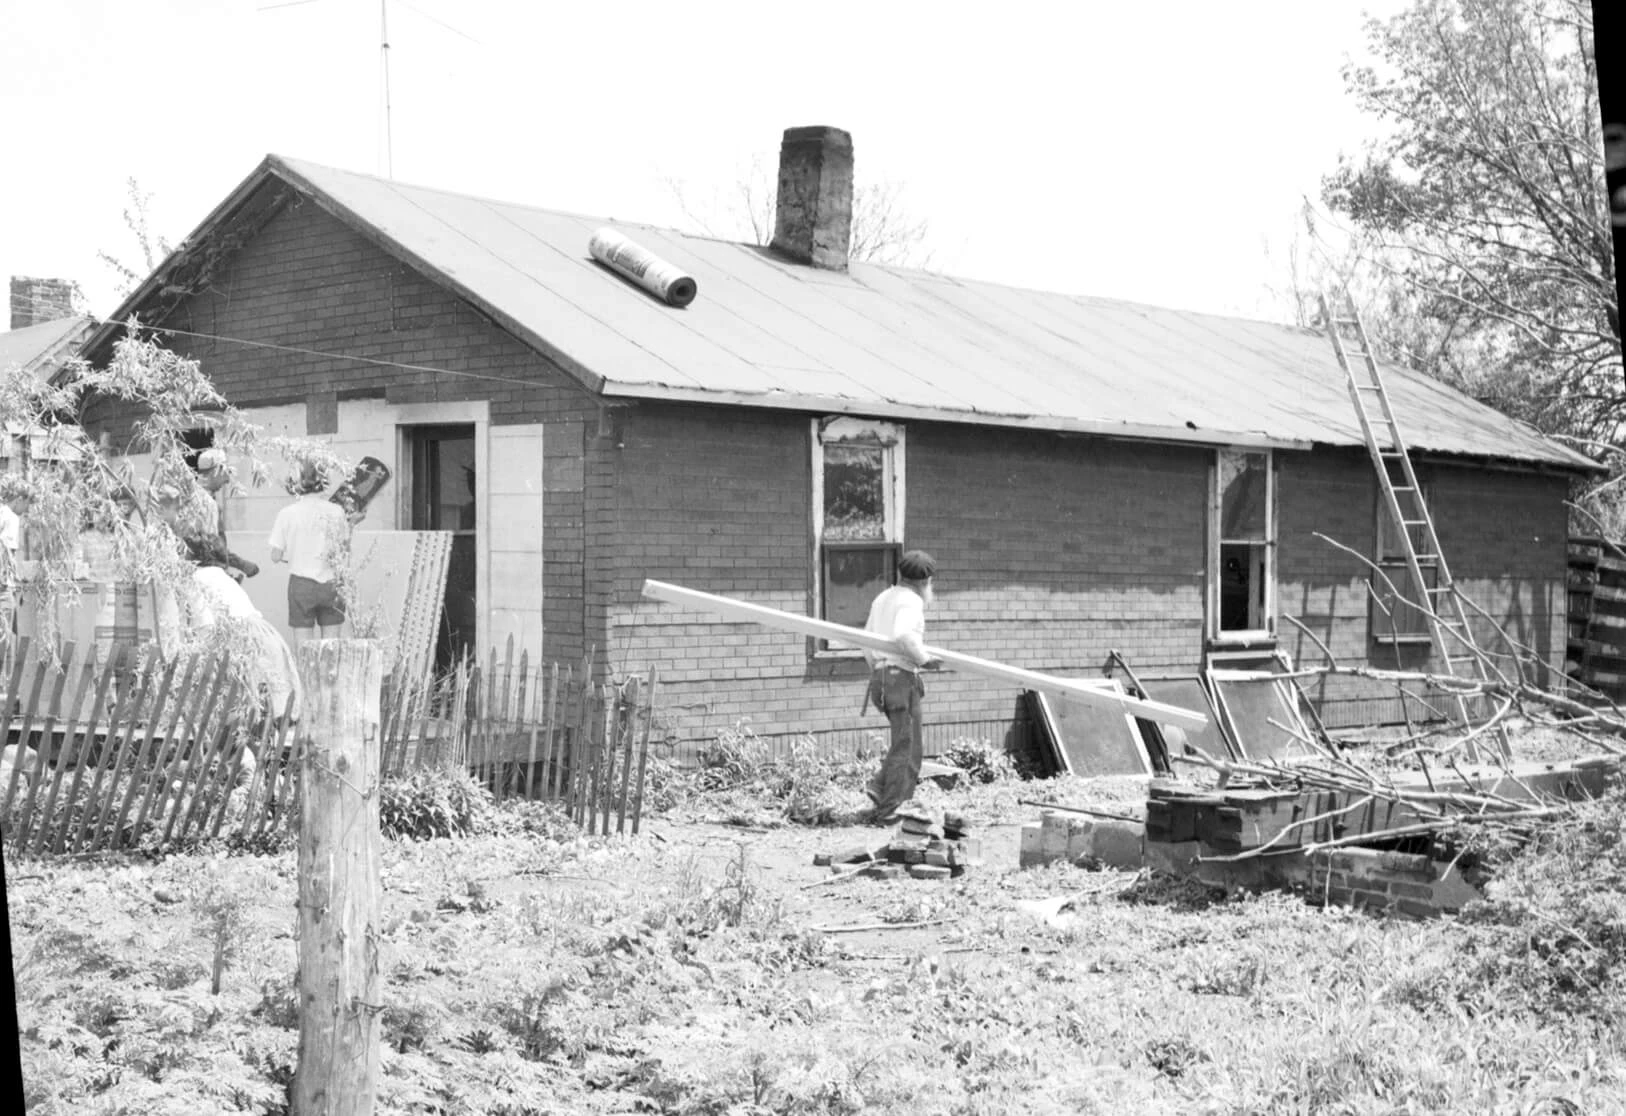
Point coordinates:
[(1144, 152)]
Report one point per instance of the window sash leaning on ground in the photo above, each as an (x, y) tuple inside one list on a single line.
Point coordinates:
[(857, 518), (1242, 546)]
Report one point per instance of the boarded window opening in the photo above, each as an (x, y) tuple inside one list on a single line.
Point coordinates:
[(858, 517)]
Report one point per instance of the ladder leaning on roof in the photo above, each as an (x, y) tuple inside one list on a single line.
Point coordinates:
[(1444, 609)]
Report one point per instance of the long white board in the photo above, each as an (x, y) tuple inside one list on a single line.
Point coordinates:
[(1080, 691)]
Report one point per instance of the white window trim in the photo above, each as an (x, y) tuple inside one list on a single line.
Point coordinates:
[(890, 435), (1215, 513)]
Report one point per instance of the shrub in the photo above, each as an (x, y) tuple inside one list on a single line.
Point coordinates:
[(981, 761), (435, 802)]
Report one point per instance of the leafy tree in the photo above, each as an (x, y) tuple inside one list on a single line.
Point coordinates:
[(1485, 203), (154, 247), (75, 483)]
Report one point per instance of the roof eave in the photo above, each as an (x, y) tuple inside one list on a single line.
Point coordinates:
[(792, 401)]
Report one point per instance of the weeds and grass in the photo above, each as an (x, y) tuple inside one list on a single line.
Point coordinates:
[(429, 802), (741, 779), (531, 969)]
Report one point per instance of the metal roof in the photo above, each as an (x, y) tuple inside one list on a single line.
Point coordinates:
[(39, 349), (884, 341)]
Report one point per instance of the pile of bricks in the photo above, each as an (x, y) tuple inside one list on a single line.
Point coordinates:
[(929, 844)]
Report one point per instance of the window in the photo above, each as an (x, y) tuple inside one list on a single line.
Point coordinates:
[(857, 516), (1242, 525), (1390, 618), (440, 488)]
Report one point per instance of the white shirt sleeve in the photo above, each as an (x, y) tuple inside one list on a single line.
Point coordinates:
[(279, 531)]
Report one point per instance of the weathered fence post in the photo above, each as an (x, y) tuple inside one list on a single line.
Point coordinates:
[(339, 891)]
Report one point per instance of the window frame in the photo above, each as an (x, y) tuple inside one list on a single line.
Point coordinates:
[(1218, 636), (891, 437)]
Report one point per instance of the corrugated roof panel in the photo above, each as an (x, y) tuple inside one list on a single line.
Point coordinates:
[(886, 340)]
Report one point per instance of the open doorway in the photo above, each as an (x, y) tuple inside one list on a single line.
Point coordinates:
[(442, 486)]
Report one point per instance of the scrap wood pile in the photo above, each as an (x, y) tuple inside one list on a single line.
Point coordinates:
[(1274, 808), (928, 843)]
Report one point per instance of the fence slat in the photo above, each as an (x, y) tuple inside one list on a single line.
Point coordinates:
[(581, 745), (188, 744), (158, 774), (76, 744), (555, 738), (139, 755), (285, 788), (521, 775), (489, 720), (643, 751), (274, 768), (111, 754), (215, 741), (207, 739), (628, 732), (612, 705), (19, 651), (47, 731)]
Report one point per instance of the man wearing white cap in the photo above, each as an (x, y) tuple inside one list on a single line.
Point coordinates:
[(203, 517), (895, 686)]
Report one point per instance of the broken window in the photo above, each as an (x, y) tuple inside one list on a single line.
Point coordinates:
[(1243, 522), (858, 515), (1393, 616)]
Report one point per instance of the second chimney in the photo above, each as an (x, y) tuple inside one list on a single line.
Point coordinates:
[(35, 301), (814, 214)]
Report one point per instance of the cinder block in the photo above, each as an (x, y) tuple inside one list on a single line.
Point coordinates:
[(1032, 850)]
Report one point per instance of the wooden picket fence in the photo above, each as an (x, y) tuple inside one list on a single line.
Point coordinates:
[(542, 732), (104, 753)]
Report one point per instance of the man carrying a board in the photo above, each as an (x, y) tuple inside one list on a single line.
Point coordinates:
[(895, 685)]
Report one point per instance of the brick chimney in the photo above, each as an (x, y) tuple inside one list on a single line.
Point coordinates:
[(814, 215), (34, 301)]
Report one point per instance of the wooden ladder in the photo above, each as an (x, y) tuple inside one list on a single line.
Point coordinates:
[(1447, 616)]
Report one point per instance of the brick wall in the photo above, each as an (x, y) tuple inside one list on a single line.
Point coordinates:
[(1051, 551), (1503, 534), (307, 281)]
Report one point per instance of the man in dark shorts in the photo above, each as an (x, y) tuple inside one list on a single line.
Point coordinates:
[(309, 534)]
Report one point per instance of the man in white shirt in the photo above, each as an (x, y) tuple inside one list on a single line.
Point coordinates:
[(309, 534), (895, 686)]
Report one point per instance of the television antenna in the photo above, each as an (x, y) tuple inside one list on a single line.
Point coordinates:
[(387, 154)]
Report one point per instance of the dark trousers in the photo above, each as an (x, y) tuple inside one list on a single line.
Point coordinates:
[(897, 694)]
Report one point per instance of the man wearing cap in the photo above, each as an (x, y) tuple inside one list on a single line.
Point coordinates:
[(895, 686), (203, 517)]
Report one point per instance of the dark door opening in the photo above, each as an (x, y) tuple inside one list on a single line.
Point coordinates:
[(443, 486)]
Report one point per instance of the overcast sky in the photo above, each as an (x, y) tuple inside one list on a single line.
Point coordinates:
[(1145, 152)]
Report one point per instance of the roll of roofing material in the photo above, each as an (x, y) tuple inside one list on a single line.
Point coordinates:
[(661, 279)]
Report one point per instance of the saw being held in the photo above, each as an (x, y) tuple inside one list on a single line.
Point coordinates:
[(1071, 688)]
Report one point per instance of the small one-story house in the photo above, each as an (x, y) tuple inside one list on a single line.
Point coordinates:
[(1091, 474)]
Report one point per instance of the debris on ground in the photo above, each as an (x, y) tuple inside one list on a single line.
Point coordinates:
[(929, 844)]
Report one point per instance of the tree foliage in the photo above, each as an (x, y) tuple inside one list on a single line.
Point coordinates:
[(1485, 201), (76, 484)]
